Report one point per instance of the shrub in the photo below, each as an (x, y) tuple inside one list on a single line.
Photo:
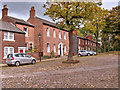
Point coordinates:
[(46, 56), (52, 54)]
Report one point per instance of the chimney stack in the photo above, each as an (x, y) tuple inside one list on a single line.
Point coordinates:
[(75, 32), (32, 11), (4, 11), (89, 37)]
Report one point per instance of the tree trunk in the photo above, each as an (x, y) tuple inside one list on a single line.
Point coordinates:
[(70, 55), (96, 45), (104, 48)]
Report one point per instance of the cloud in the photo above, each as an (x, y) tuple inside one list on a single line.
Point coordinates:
[(21, 9)]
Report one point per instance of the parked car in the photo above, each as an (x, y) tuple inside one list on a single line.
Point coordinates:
[(19, 58), (92, 52), (84, 53)]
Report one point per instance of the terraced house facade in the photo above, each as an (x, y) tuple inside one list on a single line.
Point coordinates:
[(22, 25), (52, 39), (43, 36), (86, 43), (13, 39)]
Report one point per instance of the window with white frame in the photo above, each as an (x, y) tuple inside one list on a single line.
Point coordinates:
[(64, 48), (79, 48), (59, 34), (26, 31), (54, 47), (86, 41), (54, 33), (48, 47), (89, 49), (83, 42), (8, 36), (26, 44), (5, 35), (64, 35), (8, 50), (31, 46), (48, 32), (79, 41)]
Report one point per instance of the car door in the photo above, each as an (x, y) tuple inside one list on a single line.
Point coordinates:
[(21, 58), (28, 58)]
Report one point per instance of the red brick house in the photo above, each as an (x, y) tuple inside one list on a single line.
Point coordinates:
[(12, 39), (21, 24), (86, 43), (52, 38)]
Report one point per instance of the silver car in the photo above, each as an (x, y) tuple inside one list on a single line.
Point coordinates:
[(92, 53), (19, 58), (84, 53)]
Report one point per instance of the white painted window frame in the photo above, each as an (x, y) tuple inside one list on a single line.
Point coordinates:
[(48, 47), (54, 47), (65, 35), (8, 36), (65, 49), (59, 34), (54, 33), (48, 32), (8, 51), (26, 33)]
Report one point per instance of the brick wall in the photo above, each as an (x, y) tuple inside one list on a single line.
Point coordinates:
[(30, 38), (19, 42), (51, 40)]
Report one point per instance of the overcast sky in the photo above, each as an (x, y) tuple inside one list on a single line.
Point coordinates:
[(21, 9)]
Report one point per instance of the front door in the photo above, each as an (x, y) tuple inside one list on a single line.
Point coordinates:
[(60, 49)]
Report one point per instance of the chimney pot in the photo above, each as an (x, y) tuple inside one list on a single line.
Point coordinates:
[(4, 11), (5, 6), (32, 11)]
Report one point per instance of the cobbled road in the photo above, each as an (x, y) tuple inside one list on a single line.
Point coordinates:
[(99, 71)]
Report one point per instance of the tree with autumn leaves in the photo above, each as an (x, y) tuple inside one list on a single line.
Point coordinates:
[(70, 15), (111, 32)]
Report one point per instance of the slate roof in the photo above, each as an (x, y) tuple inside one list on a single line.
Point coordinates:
[(86, 39), (49, 23), (20, 21), (7, 26)]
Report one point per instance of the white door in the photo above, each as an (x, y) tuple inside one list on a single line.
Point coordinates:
[(60, 49)]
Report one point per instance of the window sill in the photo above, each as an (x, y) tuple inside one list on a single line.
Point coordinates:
[(8, 40), (4, 57), (26, 36), (48, 51)]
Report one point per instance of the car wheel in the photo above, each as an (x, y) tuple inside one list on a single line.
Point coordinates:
[(79, 55), (9, 64), (88, 54), (33, 62), (17, 64)]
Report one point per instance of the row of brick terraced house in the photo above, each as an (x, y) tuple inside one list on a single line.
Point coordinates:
[(20, 36)]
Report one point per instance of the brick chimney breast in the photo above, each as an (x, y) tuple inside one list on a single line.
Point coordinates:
[(4, 11), (32, 11)]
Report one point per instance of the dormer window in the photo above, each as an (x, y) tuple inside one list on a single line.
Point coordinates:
[(26, 31)]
